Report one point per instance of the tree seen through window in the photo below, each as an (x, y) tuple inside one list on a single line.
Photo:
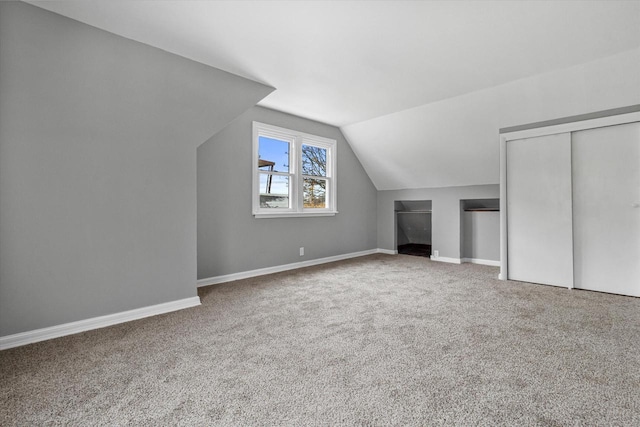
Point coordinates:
[(314, 171)]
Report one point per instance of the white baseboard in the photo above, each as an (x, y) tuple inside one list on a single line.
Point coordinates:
[(446, 259), (278, 268), (387, 251), (482, 261), (29, 337)]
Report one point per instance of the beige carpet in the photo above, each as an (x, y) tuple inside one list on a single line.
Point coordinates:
[(378, 340)]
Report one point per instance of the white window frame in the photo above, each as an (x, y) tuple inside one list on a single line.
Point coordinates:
[(296, 140)]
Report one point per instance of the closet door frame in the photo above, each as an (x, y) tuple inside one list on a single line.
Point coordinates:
[(542, 129)]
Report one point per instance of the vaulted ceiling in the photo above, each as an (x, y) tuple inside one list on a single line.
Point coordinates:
[(377, 68)]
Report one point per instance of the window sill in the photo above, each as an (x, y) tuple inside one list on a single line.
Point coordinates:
[(294, 214)]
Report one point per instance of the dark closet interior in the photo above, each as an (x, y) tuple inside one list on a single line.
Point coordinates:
[(413, 227)]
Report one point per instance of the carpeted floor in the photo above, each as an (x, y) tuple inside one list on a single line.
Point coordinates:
[(378, 340)]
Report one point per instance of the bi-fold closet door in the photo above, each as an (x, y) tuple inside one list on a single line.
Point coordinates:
[(573, 209)]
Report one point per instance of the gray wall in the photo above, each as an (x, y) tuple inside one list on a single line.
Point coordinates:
[(413, 227), (401, 238), (481, 235), (445, 218), (98, 138), (231, 240)]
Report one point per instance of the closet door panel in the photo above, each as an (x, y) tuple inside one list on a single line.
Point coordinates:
[(606, 197), (539, 210)]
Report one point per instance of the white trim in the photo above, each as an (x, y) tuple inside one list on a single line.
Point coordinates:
[(504, 263), (387, 251), (573, 126), (29, 337), (285, 267), (446, 259), (296, 214), (482, 261)]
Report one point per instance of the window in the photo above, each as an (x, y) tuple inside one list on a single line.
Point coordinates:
[(293, 173)]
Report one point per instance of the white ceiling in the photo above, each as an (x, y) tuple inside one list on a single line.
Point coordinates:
[(419, 88), (342, 62)]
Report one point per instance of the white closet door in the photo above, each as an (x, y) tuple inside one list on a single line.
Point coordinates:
[(539, 217), (606, 197)]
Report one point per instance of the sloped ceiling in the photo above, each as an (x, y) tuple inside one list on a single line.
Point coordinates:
[(366, 66)]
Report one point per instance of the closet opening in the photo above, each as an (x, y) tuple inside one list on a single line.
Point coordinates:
[(480, 231), (413, 227)]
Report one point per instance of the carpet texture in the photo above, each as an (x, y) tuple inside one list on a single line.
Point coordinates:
[(378, 340)]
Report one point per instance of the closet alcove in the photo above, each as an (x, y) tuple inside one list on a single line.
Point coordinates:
[(413, 227), (479, 231)]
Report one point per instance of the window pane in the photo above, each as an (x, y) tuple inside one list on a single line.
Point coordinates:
[(314, 195), (274, 191), (314, 160), (273, 154)]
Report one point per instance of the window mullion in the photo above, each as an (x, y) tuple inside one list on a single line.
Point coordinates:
[(293, 170), (298, 179)]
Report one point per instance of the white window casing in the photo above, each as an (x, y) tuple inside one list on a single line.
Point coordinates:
[(296, 140)]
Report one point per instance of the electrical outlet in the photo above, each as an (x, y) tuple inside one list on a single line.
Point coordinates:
[(436, 254), (302, 251)]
